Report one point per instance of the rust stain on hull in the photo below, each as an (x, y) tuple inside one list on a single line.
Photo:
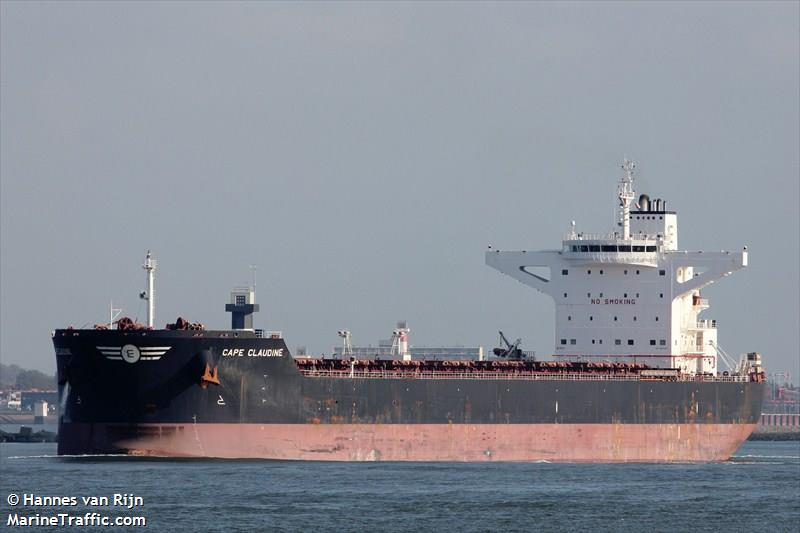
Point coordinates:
[(417, 442)]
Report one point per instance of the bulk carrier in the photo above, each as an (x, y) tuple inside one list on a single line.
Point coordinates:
[(634, 374)]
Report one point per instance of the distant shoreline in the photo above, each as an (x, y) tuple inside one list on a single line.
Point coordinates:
[(774, 435)]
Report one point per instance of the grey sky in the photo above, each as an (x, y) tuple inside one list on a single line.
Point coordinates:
[(364, 155)]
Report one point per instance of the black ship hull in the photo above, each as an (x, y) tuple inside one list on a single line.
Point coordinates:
[(232, 394)]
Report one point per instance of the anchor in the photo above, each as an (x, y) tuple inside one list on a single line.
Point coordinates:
[(210, 376)]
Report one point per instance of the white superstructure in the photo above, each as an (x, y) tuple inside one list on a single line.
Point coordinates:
[(630, 295)]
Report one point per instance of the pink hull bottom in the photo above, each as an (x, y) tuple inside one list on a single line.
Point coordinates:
[(420, 442)]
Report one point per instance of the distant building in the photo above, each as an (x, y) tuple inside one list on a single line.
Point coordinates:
[(39, 411), (30, 397), (14, 402)]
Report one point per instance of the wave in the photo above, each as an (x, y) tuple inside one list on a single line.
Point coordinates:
[(767, 456)]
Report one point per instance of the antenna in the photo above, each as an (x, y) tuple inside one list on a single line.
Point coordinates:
[(254, 268)]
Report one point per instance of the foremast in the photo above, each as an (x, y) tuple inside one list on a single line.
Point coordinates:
[(150, 267)]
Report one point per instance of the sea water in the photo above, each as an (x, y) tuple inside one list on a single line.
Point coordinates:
[(757, 490)]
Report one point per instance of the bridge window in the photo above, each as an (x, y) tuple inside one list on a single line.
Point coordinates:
[(584, 248), (638, 248), (625, 248), (630, 342), (564, 272), (651, 248), (563, 341), (662, 272), (652, 342), (594, 247), (574, 248), (609, 248)]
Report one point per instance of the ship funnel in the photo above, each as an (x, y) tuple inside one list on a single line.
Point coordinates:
[(644, 202)]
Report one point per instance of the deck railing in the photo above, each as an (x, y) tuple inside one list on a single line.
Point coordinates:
[(521, 376)]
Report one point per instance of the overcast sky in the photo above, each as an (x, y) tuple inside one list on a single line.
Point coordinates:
[(365, 155)]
